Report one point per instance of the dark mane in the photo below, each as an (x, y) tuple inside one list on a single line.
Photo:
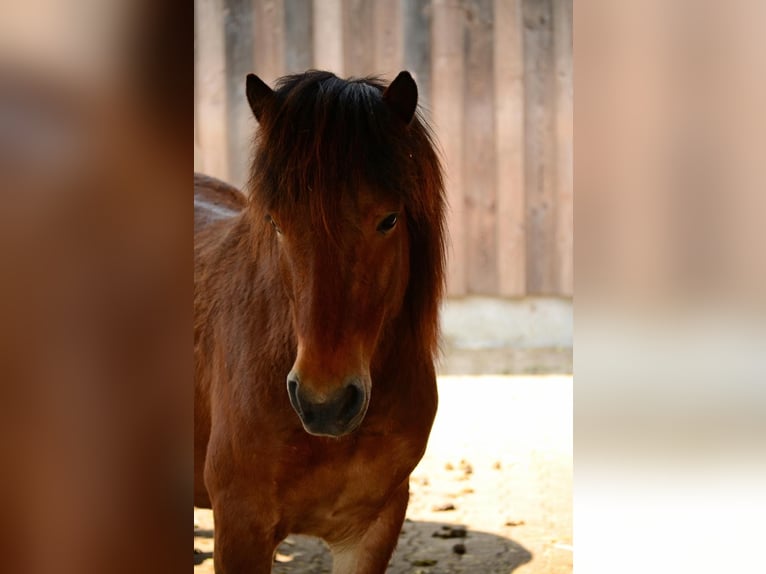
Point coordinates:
[(322, 138)]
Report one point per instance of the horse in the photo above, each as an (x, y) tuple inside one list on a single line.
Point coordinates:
[(316, 308)]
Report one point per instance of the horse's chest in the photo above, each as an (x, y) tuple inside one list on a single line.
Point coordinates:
[(340, 487)]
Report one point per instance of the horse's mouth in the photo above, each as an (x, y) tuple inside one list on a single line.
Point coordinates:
[(315, 426)]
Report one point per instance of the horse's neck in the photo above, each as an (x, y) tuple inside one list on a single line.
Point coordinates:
[(244, 259), (253, 296), (398, 344), (250, 245)]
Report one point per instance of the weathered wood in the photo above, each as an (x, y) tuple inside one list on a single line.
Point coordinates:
[(328, 36), (562, 28), (358, 38), (540, 157), (269, 39), (198, 152), (210, 89), (388, 38), (299, 42), (238, 26), (416, 21), (447, 84), (509, 146), (479, 189)]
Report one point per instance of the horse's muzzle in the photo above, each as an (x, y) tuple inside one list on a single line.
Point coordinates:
[(336, 414)]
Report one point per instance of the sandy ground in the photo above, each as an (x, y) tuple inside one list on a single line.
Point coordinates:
[(500, 457)]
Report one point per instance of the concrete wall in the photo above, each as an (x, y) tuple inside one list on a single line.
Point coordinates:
[(483, 335)]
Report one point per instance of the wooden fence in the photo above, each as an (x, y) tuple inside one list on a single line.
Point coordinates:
[(495, 79)]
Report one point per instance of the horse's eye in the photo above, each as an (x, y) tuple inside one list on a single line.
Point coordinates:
[(273, 223), (388, 223)]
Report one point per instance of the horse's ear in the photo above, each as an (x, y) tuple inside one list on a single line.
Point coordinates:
[(259, 94), (402, 96)]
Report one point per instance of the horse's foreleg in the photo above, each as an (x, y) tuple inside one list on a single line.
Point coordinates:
[(371, 553), (242, 544)]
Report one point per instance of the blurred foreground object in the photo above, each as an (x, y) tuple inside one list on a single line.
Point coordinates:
[(95, 299), (670, 330)]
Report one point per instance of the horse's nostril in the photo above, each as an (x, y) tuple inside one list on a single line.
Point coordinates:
[(351, 402), (292, 392)]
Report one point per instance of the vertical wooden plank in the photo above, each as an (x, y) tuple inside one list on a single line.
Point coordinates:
[(211, 88), (509, 145), (388, 38), (479, 152), (198, 165), (238, 26), (269, 39), (299, 43), (540, 157), (416, 24), (358, 47), (562, 28), (447, 97), (328, 36)]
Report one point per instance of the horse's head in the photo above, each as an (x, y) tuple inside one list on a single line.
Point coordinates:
[(330, 160)]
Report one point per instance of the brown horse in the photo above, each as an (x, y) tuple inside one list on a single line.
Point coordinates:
[(316, 322)]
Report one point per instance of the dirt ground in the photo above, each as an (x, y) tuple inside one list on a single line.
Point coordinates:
[(492, 495)]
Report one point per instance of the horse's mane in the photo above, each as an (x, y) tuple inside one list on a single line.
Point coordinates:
[(322, 137)]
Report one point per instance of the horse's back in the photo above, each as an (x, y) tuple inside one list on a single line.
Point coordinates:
[(215, 200)]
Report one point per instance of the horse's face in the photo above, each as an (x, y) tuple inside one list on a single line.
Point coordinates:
[(342, 289), (346, 276)]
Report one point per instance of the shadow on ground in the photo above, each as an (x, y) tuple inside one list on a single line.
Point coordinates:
[(424, 547)]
